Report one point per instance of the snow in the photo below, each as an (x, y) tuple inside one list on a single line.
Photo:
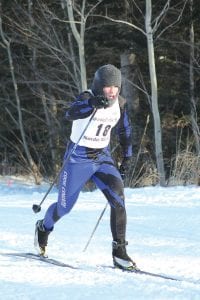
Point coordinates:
[(162, 230)]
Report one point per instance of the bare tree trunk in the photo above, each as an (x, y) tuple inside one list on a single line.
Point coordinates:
[(193, 115), (50, 116), (30, 5), (130, 93), (73, 59), (128, 70), (79, 37), (154, 94), (33, 166)]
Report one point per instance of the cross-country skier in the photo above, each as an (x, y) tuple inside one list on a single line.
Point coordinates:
[(92, 160)]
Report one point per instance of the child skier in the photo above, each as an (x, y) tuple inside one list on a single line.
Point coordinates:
[(92, 160)]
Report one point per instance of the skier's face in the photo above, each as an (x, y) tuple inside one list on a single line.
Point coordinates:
[(111, 93)]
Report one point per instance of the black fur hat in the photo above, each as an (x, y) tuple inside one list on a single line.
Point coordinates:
[(107, 75)]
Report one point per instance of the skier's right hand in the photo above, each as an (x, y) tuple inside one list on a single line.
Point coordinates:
[(98, 101)]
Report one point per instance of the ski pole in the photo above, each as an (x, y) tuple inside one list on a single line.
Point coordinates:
[(37, 207), (100, 217)]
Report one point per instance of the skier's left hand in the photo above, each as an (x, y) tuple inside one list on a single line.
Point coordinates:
[(124, 167)]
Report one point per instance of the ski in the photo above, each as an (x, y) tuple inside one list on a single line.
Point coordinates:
[(38, 257), (52, 261), (142, 272), (147, 273)]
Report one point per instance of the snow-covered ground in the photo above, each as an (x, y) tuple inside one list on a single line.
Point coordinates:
[(163, 234)]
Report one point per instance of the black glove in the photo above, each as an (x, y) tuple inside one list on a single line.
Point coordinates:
[(98, 102), (124, 167)]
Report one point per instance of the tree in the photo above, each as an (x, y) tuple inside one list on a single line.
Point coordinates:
[(44, 81), (79, 37), (45, 57), (154, 94), (194, 123), (79, 34), (6, 45)]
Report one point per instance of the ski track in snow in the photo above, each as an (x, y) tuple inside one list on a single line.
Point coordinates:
[(163, 235)]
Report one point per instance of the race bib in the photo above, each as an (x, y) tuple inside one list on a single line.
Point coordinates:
[(98, 132)]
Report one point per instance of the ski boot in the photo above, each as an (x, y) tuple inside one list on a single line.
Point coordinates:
[(41, 238), (120, 258)]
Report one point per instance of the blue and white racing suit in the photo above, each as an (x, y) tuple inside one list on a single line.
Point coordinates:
[(92, 160)]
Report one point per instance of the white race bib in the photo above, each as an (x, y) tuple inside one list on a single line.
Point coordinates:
[(98, 132)]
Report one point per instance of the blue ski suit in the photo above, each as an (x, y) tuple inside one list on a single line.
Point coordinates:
[(93, 163)]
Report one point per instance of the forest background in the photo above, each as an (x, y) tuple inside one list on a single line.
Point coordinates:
[(49, 51)]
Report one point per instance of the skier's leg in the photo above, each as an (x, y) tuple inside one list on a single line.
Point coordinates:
[(108, 179), (72, 179)]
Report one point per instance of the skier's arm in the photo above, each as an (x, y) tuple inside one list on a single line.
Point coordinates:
[(80, 109), (84, 106)]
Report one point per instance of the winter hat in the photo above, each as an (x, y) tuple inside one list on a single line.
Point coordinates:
[(107, 75)]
